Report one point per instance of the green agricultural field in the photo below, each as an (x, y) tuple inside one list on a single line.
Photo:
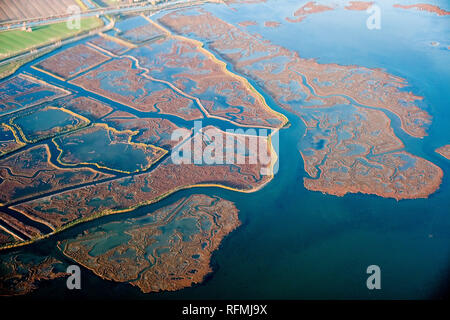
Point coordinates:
[(17, 41)]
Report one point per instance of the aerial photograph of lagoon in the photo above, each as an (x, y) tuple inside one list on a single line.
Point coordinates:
[(224, 150)]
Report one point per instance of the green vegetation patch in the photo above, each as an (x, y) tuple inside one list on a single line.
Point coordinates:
[(16, 41)]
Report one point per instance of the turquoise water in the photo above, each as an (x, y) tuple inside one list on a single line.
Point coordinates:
[(294, 243)]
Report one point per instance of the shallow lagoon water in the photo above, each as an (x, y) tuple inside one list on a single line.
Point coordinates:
[(294, 243)]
